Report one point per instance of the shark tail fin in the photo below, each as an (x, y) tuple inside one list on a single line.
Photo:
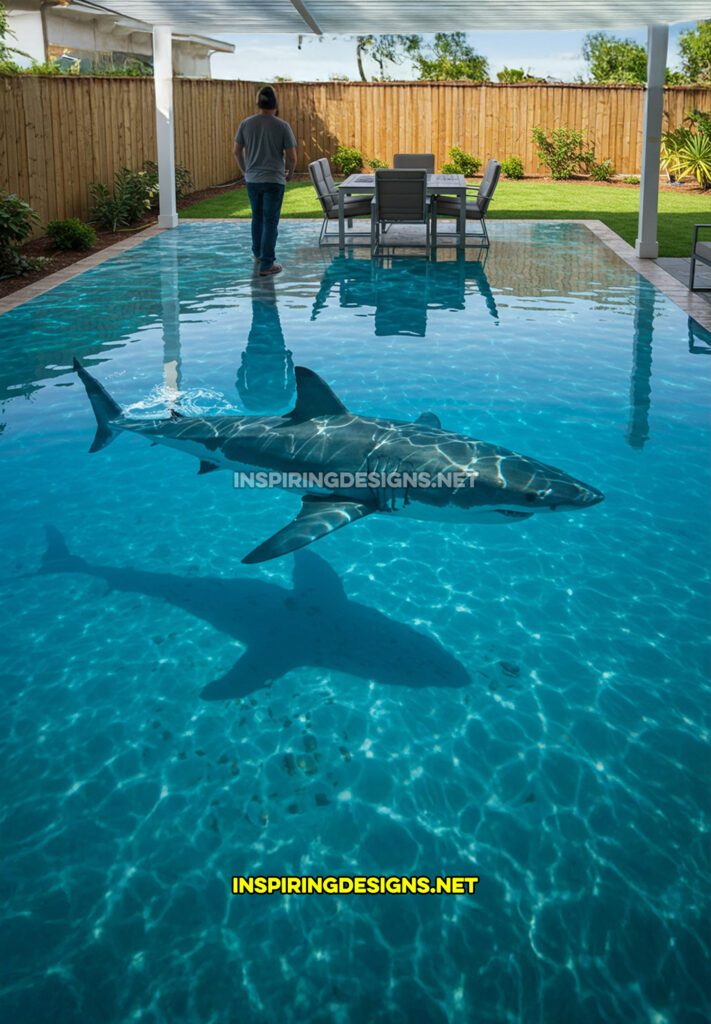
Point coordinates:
[(105, 409)]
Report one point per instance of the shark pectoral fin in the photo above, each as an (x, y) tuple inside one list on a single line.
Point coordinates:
[(428, 419), (318, 516), (252, 672), (207, 467)]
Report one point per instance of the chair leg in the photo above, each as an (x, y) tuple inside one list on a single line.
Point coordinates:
[(692, 272), (434, 221), (486, 233)]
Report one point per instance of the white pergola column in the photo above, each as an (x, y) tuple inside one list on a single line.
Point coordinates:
[(646, 245), (163, 81)]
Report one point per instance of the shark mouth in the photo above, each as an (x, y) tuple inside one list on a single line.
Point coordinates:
[(512, 514)]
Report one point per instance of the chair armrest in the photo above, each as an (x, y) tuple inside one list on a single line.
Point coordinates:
[(696, 233)]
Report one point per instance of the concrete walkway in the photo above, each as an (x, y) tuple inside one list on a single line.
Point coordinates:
[(678, 267)]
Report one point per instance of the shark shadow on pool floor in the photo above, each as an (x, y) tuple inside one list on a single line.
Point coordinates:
[(313, 625)]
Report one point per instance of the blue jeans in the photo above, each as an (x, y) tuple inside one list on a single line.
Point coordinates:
[(265, 198)]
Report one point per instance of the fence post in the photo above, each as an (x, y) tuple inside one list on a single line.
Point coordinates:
[(163, 81)]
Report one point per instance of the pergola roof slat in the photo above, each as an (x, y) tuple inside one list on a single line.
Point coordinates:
[(403, 16)]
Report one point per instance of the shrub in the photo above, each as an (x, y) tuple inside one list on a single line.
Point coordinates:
[(687, 151), (374, 164), (563, 152), (16, 221), (183, 180), (463, 163), (603, 171), (71, 234), (348, 161), (631, 179), (126, 203), (512, 168)]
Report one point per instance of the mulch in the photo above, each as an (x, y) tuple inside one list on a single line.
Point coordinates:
[(59, 259)]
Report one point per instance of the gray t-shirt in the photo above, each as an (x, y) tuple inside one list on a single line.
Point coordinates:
[(264, 138)]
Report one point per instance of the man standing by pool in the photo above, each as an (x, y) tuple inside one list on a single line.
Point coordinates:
[(262, 143)]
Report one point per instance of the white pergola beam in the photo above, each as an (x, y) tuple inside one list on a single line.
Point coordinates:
[(647, 246), (306, 15), (165, 137)]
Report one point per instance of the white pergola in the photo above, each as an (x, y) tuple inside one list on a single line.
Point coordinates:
[(345, 17)]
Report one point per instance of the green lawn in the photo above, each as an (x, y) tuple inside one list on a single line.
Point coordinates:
[(616, 207)]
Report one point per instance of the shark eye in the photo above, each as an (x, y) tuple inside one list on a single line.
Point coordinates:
[(531, 495)]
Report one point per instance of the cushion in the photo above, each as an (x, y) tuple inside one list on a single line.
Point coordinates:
[(449, 207)]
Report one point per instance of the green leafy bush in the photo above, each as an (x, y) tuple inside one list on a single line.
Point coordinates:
[(348, 161), (183, 180), (16, 222), (603, 171), (374, 164), (563, 152), (512, 168), (687, 151), (631, 179), (71, 234), (462, 163), (127, 201)]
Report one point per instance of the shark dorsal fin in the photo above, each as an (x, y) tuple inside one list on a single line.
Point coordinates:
[(175, 415), (313, 397), (428, 419)]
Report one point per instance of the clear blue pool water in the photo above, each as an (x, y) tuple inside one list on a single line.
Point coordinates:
[(525, 702)]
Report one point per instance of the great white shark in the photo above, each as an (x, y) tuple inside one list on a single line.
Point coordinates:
[(483, 482)]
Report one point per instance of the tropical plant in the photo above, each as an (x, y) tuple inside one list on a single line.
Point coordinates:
[(375, 164), (563, 152), (71, 234), (693, 157), (127, 201), (604, 171), (17, 218), (5, 34), (512, 168), (687, 150), (347, 160)]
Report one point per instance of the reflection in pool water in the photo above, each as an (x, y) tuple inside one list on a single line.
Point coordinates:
[(566, 763)]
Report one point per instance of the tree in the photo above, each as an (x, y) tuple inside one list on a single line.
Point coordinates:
[(695, 50), (450, 58), (611, 59), (6, 33), (390, 48)]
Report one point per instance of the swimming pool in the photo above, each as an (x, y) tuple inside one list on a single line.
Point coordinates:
[(527, 703)]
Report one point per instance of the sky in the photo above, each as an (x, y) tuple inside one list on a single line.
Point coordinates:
[(557, 55)]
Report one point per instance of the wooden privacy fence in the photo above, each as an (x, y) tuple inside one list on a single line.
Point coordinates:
[(59, 134)]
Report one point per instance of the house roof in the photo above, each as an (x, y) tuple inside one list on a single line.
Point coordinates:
[(403, 16), (127, 21)]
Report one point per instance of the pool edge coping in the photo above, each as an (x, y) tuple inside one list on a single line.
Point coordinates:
[(693, 305)]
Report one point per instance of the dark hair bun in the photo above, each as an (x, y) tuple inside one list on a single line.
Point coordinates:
[(266, 98)]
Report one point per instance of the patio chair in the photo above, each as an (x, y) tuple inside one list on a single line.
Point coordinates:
[(700, 251), (448, 206), (400, 198), (415, 162), (322, 180)]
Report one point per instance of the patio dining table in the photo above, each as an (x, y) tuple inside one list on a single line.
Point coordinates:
[(437, 184)]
